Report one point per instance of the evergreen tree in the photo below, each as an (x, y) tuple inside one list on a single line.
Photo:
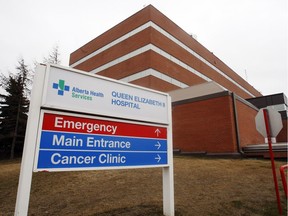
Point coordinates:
[(13, 110)]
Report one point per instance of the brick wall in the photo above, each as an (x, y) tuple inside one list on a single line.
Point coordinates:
[(282, 136), (155, 83), (246, 124), (204, 126), (208, 125), (152, 36)]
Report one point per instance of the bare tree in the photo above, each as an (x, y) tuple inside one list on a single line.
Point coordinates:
[(54, 56)]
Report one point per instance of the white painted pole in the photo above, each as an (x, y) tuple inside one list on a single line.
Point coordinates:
[(167, 172), (168, 191), (25, 179)]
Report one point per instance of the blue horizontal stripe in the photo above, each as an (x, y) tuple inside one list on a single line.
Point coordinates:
[(62, 140), (73, 159)]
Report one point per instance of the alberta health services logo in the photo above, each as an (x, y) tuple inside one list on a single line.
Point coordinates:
[(77, 93), (61, 87)]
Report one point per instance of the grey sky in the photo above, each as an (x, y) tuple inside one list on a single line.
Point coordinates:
[(250, 36)]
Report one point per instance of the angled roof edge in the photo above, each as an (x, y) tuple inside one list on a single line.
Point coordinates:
[(194, 91)]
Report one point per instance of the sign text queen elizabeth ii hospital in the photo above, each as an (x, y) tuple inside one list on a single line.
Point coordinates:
[(79, 121)]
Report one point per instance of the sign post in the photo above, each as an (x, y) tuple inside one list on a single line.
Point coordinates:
[(25, 178), (79, 121), (271, 119)]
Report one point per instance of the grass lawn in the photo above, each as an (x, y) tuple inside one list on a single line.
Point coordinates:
[(203, 186)]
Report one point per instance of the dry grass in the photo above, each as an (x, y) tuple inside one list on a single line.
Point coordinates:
[(203, 186)]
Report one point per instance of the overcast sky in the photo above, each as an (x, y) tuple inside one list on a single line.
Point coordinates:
[(250, 36)]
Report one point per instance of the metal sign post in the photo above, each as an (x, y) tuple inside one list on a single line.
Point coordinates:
[(273, 125), (267, 125)]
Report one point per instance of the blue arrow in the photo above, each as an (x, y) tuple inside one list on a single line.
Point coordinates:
[(158, 145), (158, 158)]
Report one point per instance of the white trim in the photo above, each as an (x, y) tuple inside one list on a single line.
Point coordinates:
[(155, 49), (107, 46), (123, 58), (154, 73), (198, 56), (146, 48), (161, 76)]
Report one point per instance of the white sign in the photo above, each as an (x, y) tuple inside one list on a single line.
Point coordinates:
[(275, 122), (74, 90), (73, 140)]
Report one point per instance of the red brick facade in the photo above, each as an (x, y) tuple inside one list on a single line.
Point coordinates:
[(209, 125), (282, 136), (150, 50), (204, 126), (160, 37), (246, 123)]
